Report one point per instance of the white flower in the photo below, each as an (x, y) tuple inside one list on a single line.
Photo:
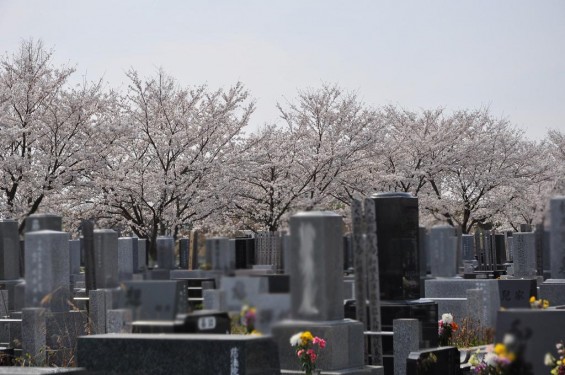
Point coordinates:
[(447, 318), (549, 360), (508, 340), (295, 339), (491, 359)]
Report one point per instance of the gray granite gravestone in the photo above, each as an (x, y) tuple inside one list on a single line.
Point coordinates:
[(166, 253), (125, 258), (36, 222), (9, 250), (241, 290), (406, 339), (468, 247), (74, 257), (315, 279), (316, 288), (106, 258), (524, 254), (535, 331), (47, 277), (443, 250), (141, 254), (156, 299), (220, 254)]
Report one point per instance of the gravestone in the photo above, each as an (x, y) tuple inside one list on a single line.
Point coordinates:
[(156, 299), (553, 290), (397, 238), (316, 286), (271, 309), (268, 249), (144, 354), (125, 258), (243, 290), (535, 331), (47, 277), (443, 248), (105, 242), (557, 239), (524, 254), (37, 222), (141, 254), (184, 245), (436, 361), (457, 288), (510, 247), (74, 257), (220, 254), (9, 250), (406, 339), (516, 293), (500, 245), (468, 247), (166, 253), (244, 253)]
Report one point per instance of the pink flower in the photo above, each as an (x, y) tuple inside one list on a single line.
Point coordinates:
[(300, 352), (320, 342), (312, 355)]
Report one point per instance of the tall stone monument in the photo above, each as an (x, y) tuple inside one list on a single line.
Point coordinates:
[(316, 262)]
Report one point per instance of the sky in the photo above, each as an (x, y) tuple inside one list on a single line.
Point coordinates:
[(507, 55)]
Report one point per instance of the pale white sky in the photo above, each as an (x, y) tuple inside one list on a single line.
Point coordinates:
[(508, 55)]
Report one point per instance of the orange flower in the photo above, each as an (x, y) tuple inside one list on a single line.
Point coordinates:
[(454, 326)]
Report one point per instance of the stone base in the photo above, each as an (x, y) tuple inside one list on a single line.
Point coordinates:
[(553, 291), (344, 349)]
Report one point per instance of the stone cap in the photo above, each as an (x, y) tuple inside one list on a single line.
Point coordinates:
[(392, 194)]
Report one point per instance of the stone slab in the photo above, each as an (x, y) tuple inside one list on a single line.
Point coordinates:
[(126, 354)]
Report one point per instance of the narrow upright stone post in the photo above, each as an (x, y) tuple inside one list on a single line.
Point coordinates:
[(89, 255), (557, 239), (406, 339), (376, 349), (359, 260)]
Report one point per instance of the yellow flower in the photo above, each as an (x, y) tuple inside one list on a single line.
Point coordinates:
[(545, 304), (500, 349), (532, 299), (306, 337)]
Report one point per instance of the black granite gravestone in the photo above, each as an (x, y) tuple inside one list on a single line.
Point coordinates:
[(397, 240)]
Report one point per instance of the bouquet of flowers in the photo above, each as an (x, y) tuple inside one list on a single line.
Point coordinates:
[(306, 349), (446, 327), (538, 303), (247, 316), (557, 364), (498, 361)]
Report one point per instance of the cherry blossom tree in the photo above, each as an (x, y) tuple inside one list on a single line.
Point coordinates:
[(45, 129), (168, 170), (333, 132)]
